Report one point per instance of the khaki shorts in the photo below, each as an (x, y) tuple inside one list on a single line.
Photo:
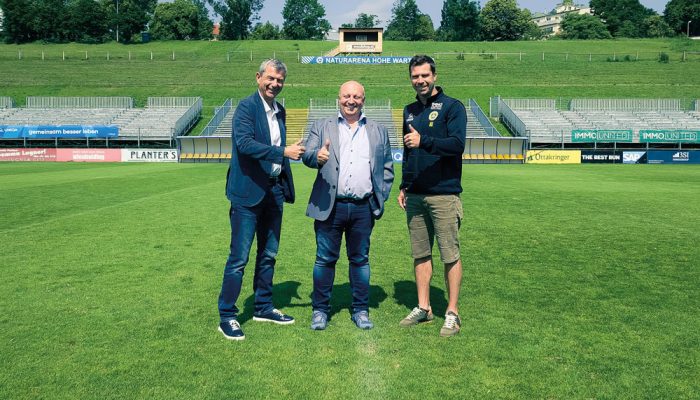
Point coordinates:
[(430, 216)]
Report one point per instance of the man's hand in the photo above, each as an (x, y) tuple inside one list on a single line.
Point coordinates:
[(412, 138), (402, 199), (323, 153), (294, 151)]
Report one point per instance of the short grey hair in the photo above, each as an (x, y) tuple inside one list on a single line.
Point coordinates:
[(274, 63)]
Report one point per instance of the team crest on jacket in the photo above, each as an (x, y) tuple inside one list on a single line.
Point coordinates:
[(433, 116)]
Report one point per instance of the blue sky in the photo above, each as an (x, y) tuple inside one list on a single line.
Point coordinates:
[(340, 12)]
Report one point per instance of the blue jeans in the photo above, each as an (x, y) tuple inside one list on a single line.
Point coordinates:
[(264, 221), (355, 220)]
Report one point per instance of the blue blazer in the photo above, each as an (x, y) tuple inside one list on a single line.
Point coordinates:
[(253, 154), (325, 186)]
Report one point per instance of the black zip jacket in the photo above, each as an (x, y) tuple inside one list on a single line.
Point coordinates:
[(435, 167)]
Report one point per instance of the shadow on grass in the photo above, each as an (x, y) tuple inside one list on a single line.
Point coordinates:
[(405, 294), (341, 298), (282, 295)]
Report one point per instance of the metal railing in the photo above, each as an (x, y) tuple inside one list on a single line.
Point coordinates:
[(377, 104), (531, 104), (219, 114), (79, 102), (484, 121), (626, 105), (6, 102), (169, 102), (188, 119), (511, 120), (697, 105), (323, 104)]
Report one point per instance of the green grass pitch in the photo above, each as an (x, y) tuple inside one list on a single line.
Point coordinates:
[(579, 282)]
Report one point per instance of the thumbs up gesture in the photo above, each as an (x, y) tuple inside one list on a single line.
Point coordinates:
[(323, 153), (412, 138), (294, 151)]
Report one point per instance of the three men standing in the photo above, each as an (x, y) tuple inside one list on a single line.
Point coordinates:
[(355, 173)]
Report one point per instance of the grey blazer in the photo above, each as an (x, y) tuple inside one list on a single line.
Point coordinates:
[(325, 186)]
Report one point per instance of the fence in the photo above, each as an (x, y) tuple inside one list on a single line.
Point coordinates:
[(169, 102), (92, 53), (377, 104), (323, 104), (219, 114), (188, 119), (507, 115), (79, 102), (483, 119), (625, 105), (6, 102), (531, 104), (697, 105)]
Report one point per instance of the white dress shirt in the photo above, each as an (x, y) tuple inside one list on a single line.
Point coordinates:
[(275, 135)]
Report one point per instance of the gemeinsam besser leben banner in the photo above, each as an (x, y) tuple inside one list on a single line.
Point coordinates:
[(58, 131)]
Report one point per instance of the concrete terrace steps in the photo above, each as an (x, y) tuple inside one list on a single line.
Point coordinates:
[(297, 120)]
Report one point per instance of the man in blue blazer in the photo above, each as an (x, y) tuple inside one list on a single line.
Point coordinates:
[(355, 174), (259, 181)]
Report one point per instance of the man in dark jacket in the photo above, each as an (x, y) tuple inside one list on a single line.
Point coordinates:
[(259, 181), (434, 130)]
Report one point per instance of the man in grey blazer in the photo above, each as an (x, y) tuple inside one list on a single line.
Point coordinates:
[(355, 172)]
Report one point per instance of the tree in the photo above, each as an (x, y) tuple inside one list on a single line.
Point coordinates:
[(131, 19), (86, 21), (460, 21), (48, 20), (367, 21), (175, 21), (304, 19), (656, 26), (409, 23), (622, 17), (503, 20), (17, 20), (677, 14), (425, 29), (266, 31), (237, 16), (583, 26), (205, 25), (363, 21)]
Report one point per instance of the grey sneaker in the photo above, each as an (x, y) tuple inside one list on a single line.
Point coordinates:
[(451, 326), (319, 320), (417, 316), (361, 319)]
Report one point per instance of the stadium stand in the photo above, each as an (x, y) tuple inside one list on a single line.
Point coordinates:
[(163, 118), (297, 119), (541, 122), (378, 110), (478, 124), (220, 123)]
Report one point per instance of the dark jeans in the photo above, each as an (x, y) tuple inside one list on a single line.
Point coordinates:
[(264, 221), (355, 219)]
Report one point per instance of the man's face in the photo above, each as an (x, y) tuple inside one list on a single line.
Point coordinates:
[(423, 80), (351, 99), (270, 83)]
